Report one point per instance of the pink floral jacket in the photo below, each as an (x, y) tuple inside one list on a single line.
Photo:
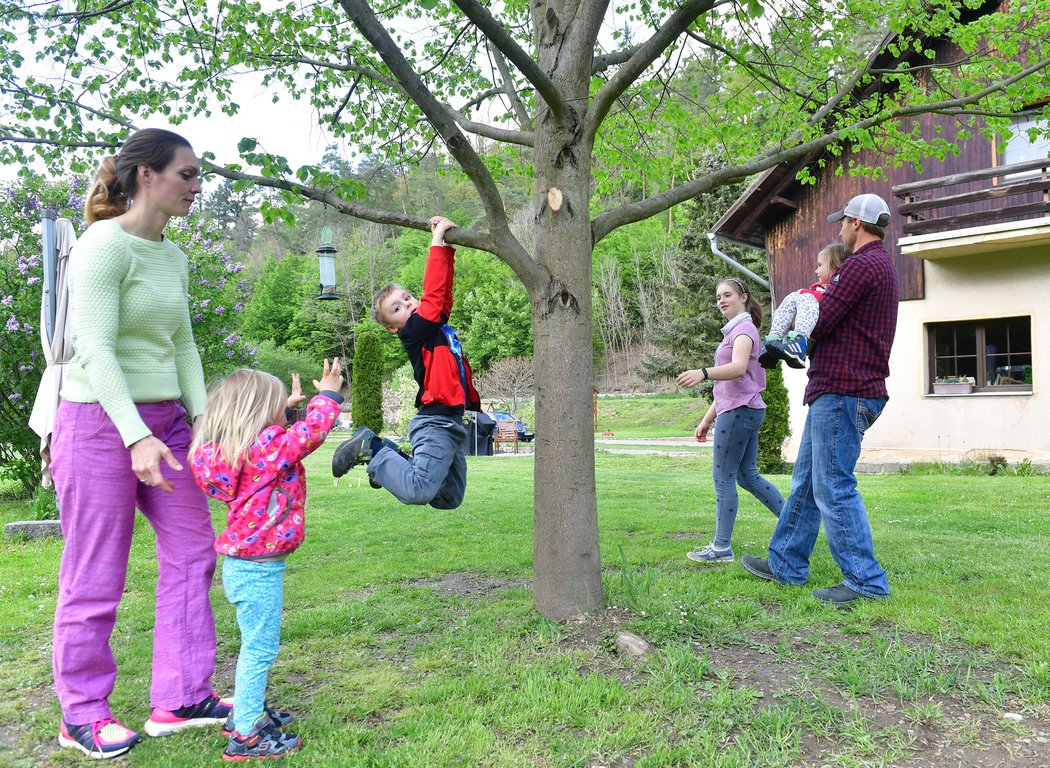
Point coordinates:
[(266, 495)]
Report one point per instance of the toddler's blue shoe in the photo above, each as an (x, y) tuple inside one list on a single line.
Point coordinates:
[(793, 351)]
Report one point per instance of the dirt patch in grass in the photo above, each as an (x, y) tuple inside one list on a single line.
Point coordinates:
[(792, 670), (937, 730), (687, 535), (467, 584)]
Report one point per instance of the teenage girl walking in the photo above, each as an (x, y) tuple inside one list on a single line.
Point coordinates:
[(736, 414)]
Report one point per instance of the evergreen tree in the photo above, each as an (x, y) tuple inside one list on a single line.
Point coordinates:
[(776, 428), (684, 329), (366, 389)]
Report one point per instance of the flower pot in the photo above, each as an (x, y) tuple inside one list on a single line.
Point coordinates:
[(952, 388)]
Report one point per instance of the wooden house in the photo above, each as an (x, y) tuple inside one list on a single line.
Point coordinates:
[(971, 240)]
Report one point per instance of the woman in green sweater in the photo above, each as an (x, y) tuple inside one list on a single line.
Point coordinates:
[(120, 443)]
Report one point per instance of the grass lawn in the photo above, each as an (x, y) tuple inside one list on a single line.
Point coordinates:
[(410, 639), (665, 415)]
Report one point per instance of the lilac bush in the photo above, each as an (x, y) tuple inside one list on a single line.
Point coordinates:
[(217, 290), (218, 293)]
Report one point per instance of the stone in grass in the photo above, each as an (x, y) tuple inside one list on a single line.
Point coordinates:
[(632, 645), (33, 530)]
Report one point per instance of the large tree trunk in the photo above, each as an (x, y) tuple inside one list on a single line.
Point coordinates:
[(566, 567)]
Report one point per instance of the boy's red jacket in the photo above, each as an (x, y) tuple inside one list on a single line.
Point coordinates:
[(266, 495), (438, 361)]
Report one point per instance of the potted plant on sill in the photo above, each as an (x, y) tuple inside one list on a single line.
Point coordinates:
[(953, 385)]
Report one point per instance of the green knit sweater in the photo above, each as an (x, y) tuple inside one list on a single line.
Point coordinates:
[(130, 327)]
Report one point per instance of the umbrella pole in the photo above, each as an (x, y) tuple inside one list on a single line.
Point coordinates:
[(50, 273)]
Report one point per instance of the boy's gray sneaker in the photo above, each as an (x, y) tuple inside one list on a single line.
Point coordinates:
[(792, 351), (710, 554), (839, 596), (756, 566), (356, 450)]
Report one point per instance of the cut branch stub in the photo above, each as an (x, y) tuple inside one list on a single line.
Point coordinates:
[(554, 199)]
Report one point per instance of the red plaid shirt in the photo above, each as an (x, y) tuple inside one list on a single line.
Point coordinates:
[(858, 319)]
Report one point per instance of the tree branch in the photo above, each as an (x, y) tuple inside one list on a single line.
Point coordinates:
[(609, 220), (8, 138), (115, 5), (509, 90), (528, 67), (509, 136), (607, 60), (756, 72), (53, 99), (460, 236), (644, 55), (504, 244)]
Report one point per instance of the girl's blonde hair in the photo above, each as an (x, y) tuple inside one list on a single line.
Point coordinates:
[(836, 252), (240, 406)]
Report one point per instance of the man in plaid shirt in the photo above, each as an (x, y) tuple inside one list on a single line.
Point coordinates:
[(845, 394)]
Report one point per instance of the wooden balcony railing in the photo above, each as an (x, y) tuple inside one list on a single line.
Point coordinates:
[(991, 196)]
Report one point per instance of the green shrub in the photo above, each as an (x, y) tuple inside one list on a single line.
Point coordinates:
[(367, 382), (283, 362), (217, 296), (775, 429), (42, 504)]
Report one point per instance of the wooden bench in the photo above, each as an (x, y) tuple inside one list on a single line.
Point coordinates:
[(506, 432)]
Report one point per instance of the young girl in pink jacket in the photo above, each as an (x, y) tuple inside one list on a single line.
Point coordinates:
[(249, 456)]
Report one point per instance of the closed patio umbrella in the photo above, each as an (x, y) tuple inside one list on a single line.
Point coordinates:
[(54, 338)]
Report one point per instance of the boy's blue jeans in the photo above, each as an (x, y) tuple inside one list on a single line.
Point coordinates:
[(824, 489), (437, 472)]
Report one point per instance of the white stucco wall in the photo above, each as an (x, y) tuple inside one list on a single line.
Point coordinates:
[(915, 425)]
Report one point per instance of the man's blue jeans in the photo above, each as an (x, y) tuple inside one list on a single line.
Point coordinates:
[(436, 474), (824, 489)]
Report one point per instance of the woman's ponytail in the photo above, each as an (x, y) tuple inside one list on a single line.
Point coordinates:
[(105, 199)]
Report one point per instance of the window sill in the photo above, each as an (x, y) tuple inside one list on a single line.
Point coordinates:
[(982, 393)]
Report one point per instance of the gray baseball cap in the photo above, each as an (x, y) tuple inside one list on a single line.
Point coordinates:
[(871, 209)]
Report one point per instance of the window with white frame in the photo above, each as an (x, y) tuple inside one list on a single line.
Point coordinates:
[(1025, 144), (994, 355)]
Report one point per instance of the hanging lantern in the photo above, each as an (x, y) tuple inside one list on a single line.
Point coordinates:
[(326, 264)]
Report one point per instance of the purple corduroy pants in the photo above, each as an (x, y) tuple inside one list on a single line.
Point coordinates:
[(98, 495)]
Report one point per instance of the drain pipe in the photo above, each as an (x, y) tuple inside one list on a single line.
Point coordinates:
[(734, 264)]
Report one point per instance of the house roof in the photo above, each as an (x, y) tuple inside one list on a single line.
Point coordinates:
[(770, 195)]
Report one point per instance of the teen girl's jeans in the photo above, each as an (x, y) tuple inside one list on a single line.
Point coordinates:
[(98, 494), (256, 589), (824, 489), (736, 462), (437, 472)]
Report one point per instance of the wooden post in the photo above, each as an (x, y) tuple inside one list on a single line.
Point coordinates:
[(595, 409)]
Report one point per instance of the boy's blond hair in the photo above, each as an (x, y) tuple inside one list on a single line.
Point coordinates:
[(240, 406), (379, 298)]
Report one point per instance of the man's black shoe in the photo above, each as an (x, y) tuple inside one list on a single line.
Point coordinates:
[(758, 567)]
